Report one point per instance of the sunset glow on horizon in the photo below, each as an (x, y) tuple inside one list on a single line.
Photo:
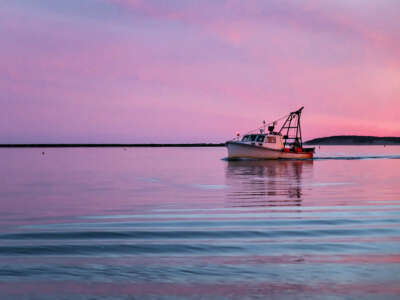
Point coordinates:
[(142, 71)]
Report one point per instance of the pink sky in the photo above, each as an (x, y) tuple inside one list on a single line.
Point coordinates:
[(195, 71)]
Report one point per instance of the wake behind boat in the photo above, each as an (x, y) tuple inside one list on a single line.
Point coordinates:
[(287, 143)]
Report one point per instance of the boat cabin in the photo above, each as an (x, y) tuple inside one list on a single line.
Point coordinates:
[(272, 141)]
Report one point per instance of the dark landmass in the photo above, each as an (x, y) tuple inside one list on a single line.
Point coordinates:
[(108, 145), (354, 140)]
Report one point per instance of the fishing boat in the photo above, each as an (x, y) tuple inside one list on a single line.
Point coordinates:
[(287, 143)]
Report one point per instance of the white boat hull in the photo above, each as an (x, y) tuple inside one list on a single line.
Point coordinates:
[(238, 150)]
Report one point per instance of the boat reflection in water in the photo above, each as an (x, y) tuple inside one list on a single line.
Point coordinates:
[(267, 182)]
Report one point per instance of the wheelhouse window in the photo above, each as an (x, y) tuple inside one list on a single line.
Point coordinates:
[(260, 138), (271, 139), (253, 137), (245, 138)]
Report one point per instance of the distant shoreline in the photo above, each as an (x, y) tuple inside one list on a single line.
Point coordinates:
[(108, 145), (356, 140), (340, 140)]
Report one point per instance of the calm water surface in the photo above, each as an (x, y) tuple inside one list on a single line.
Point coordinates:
[(182, 223)]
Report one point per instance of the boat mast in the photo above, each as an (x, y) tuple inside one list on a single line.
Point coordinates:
[(292, 124)]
